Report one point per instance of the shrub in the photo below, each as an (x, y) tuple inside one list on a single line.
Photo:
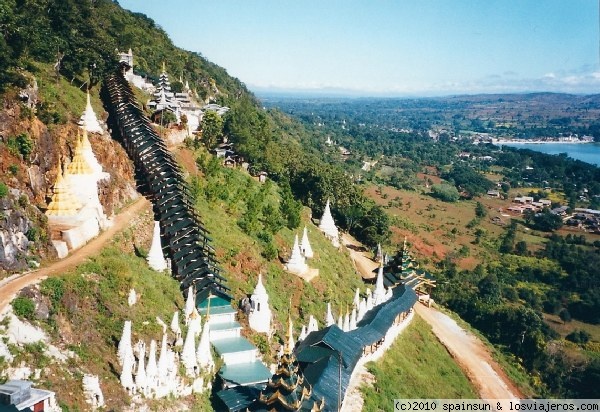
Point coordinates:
[(23, 307), (579, 337), (3, 190), (54, 288), (445, 192)]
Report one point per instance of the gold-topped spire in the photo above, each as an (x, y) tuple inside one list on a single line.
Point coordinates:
[(63, 202), (79, 165), (85, 141), (289, 344), (164, 69)]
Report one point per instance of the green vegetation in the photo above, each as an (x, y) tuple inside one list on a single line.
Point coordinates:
[(445, 192), (20, 145), (3, 190), (417, 365), (211, 127), (23, 307)]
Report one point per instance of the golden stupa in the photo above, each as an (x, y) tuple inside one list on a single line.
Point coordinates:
[(63, 201), (85, 141), (79, 165)]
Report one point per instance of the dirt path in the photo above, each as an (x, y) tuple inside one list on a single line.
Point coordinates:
[(471, 355), (11, 286), (362, 262)]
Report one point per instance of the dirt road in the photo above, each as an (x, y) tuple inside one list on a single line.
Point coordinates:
[(471, 355), (11, 286), (468, 351)]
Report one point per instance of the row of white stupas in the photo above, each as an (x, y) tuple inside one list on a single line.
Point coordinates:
[(260, 316), (157, 379), (75, 211), (302, 250)]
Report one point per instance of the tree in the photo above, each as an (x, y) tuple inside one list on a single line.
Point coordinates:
[(480, 210), (445, 192), (564, 315), (211, 127), (546, 221)]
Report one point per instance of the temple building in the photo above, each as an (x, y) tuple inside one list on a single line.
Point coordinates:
[(328, 227), (260, 315)]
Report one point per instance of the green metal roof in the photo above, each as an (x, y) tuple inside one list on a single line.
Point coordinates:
[(245, 373), (232, 345)]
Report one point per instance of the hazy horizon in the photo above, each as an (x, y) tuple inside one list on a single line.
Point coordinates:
[(385, 48)]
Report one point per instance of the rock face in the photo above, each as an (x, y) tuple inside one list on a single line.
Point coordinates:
[(24, 235)]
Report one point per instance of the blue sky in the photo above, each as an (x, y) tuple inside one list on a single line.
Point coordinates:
[(395, 47)]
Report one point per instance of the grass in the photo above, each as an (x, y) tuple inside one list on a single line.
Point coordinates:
[(564, 329), (416, 366)]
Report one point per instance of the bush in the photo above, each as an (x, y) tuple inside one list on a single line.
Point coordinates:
[(3, 190), (579, 337), (54, 288), (20, 144), (23, 307)]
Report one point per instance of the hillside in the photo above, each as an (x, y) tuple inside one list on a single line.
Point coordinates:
[(75, 320)]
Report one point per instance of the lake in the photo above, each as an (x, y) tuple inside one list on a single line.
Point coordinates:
[(586, 152)]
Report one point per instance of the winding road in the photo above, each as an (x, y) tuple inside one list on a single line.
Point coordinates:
[(10, 286)]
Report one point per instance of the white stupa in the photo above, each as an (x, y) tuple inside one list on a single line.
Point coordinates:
[(156, 259), (195, 322), (369, 300), (303, 334), (353, 319), (340, 322), (90, 157), (188, 354), (132, 298), (305, 247), (260, 316), (189, 304), (88, 119), (362, 310), (152, 369), (313, 326), (297, 263), (175, 328), (329, 319), (125, 350), (379, 295), (140, 377), (163, 362), (328, 227), (203, 354), (356, 300), (127, 376), (346, 326)]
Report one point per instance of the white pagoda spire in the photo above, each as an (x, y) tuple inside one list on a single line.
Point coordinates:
[(126, 375), (260, 316), (362, 310), (328, 227), (156, 259), (369, 301), (313, 326), (340, 322), (305, 247), (297, 263), (379, 294), (125, 350), (303, 334), (203, 354), (163, 361), (329, 320), (290, 334), (90, 157), (195, 322), (140, 377), (353, 319), (88, 119), (356, 301), (151, 369), (188, 354), (175, 328), (189, 304), (346, 325), (379, 254)]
